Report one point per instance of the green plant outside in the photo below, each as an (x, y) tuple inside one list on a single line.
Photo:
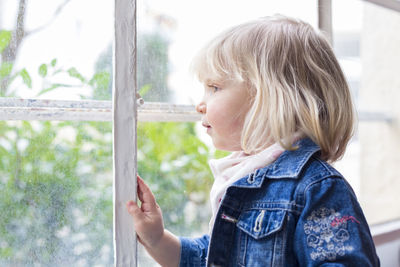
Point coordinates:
[(56, 179)]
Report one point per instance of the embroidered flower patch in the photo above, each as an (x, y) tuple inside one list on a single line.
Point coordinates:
[(327, 233)]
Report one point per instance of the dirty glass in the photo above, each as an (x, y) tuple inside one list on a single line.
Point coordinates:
[(56, 176), (55, 193), (173, 161), (366, 42)]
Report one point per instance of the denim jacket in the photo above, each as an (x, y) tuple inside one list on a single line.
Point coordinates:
[(298, 211)]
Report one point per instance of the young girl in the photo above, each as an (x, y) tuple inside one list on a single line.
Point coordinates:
[(276, 97)]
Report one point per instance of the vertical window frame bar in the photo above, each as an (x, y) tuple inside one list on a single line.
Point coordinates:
[(124, 131), (325, 18)]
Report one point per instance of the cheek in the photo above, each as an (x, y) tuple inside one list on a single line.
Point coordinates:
[(225, 119), (218, 114)]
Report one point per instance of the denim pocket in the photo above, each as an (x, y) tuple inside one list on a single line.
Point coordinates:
[(261, 237), (261, 223)]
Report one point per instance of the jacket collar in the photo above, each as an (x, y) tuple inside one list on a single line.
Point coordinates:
[(288, 165)]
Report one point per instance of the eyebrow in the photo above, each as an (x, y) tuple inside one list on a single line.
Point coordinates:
[(212, 81)]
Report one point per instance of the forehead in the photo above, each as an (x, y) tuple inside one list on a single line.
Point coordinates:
[(208, 75), (213, 76)]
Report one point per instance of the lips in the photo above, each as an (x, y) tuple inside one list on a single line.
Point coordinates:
[(207, 126)]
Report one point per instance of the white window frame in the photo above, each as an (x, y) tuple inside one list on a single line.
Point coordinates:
[(390, 4), (124, 131), (125, 111)]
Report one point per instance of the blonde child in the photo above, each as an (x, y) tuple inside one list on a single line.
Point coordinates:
[(276, 97)]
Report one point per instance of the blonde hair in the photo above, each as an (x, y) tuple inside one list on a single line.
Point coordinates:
[(294, 79)]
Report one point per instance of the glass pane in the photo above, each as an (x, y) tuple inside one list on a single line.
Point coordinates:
[(56, 49), (56, 194), (367, 41), (171, 32), (174, 162)]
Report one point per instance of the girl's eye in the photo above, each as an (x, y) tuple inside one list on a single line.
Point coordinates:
[(214, 88)]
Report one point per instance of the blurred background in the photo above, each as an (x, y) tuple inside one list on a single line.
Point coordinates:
[(56, 176)]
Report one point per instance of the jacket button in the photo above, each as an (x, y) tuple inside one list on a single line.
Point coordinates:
[(250, 179)]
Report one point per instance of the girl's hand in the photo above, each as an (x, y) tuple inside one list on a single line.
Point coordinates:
[(147, 218), (162, 245)]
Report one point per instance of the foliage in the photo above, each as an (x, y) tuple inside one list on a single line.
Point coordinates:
[(174, 162), (53, 197), (55, 177), (5, 37)]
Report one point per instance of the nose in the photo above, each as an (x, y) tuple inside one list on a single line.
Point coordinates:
[(201, 107)]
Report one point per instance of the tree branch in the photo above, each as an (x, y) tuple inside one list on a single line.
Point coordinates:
[(10, 52), (56, 13)]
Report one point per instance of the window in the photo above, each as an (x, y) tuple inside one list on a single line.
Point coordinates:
[(56, 198), (366, 44), (169, 35), (56, 148)]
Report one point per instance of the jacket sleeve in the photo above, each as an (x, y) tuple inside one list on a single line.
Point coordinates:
[(194, 251), (332, 229)]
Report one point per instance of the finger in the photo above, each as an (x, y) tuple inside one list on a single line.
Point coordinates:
[(147, 204), (140, 191), (133, 209), (144, 193)]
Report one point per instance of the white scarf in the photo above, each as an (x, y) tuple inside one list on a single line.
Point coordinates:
[(228, 170)]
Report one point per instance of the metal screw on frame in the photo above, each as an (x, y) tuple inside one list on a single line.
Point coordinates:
[(139, 100)]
